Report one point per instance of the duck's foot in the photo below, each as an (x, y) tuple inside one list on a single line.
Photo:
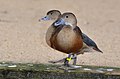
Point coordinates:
[(58, 61), (69, 67)]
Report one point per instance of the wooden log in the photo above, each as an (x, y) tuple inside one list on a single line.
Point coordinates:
[(49, 71)]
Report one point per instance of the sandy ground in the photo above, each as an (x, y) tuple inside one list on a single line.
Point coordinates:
[(22, 37)]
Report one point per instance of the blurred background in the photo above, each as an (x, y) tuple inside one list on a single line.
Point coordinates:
[(22, 36)]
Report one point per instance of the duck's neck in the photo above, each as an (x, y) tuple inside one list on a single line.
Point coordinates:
[(72, 25)]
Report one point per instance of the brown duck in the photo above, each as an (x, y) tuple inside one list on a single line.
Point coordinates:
[(51, 15), (67, 37)]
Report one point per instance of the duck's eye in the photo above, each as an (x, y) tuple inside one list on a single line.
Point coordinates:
[(66, 16), (51, 13)]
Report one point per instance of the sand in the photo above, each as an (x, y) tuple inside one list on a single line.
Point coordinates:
[(22, 36)]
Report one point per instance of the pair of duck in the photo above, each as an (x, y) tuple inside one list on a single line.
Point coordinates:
[(64, 35)]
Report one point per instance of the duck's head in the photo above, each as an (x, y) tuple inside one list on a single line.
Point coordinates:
[(67, 19), (52, 15)]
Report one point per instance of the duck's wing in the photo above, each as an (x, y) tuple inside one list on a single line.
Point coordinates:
[(90, 42), (78, 30)]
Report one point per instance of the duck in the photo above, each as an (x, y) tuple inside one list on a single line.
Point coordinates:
[(67, 37), (51, 15), (89, 44)]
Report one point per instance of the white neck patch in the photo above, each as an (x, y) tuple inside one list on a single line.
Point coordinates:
[(66, 23)]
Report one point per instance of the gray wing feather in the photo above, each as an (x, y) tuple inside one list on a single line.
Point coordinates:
[(90, 42)]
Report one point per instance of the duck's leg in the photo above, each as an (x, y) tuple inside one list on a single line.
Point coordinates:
[(74, 59), (67, 60)]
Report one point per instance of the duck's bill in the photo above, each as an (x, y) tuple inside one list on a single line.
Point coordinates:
[(46, 18), (59, 22)]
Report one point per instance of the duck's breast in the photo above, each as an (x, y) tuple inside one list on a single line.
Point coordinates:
[(49, 34), (68, 41)]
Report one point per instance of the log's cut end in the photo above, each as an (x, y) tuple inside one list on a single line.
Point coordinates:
[(49, 71)]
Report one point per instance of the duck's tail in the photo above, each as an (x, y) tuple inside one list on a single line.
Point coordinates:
[(97, 49)]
